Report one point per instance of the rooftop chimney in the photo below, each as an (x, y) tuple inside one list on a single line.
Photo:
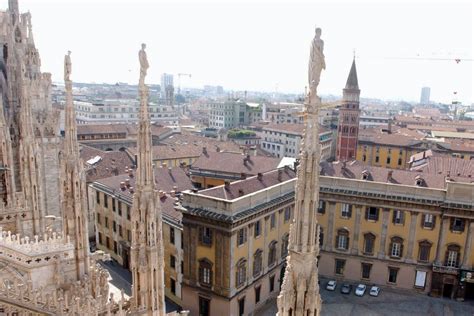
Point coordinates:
[(122, 186), (218, 149), (259, 176), (280, 173), (204, 150), (243, 175), (389, 175), (172, 193), (164, 164), (241, 192), (130, 173), (127, 182), (227, 184), (131, 190), (161, 193), (169, 170)]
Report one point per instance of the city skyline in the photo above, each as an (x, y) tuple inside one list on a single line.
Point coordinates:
[(262, 47)]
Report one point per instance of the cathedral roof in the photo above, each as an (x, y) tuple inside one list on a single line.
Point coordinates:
[(352, 82)]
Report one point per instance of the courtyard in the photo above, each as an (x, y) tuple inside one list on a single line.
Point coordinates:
[(389, 302)]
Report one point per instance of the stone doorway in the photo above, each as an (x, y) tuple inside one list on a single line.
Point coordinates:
[(447, 290)]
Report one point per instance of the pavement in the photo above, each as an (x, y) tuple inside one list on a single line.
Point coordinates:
[(121, 278), (389, 302)]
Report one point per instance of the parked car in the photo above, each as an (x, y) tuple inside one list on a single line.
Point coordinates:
[(331, 286), (346, 288), (374, 291), (360, 290)]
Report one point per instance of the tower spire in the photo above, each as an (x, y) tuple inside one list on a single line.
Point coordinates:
[(147, 237), (74, 186), (300, 290)]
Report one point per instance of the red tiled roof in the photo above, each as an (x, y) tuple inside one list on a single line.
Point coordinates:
[(237, 189), (234, 163), (455, 167), (111, 163), (86, 129), (297, 129)]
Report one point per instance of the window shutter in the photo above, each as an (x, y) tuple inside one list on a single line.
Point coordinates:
[(201, 232), (367, 213), (210, 236), (446, 256), (401, 250), (347, 244), (245, 235), (323, 209), (434, 221), (390, 247), (423, 220), (402, 217), (349, 214), (463, 223), (337, 241), (394, 216), (377, 214), (458, 258), (451, 225)]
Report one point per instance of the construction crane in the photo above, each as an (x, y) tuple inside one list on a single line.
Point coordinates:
[(179, 80)]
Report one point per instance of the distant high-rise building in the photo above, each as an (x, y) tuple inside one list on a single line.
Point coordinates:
[(348, 129), (425, 95), (166, 80)]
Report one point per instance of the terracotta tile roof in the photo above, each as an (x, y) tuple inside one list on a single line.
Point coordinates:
[(449, 166), (166, 181), (111, 163), (355, 170), (398, 137), (297, 129), (233, 163), (464, 145), (86, 129), (165, 152), (211, 144), (239, 188)]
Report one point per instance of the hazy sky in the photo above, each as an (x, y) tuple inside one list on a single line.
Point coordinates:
[(263, 45)]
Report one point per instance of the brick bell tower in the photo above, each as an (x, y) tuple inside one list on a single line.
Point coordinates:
[(348, 130)]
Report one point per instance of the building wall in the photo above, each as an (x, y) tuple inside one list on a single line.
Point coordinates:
[(105, 216), (377, 155)]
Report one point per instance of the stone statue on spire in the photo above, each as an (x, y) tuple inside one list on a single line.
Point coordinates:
[(316, 61), (67, 66), (143, 64)]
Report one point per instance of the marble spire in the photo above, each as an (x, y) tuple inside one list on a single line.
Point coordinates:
[(299, 295), (73, 197), (147, 263)]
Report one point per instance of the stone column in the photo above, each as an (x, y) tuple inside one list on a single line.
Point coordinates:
[(355, 239), (441, 240), (383, 235), (468, 246), (411, 236), (330, 229)]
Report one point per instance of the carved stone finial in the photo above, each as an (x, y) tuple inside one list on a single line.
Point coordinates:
[(67, 66)]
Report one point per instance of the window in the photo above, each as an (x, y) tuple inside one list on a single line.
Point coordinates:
[(399, 161), (377, 159), (342, 239), (241, 236), (396, 247), (173, 286), (120, 230), (388, 160), (272, 253), (398, 217), (366, 267), (98, 218), (372, 214), (106, 222), (119, 204), (364, 158), (97, 197), (392, 275), (257, 229), (272, 283), (205, 272), (172, 261), (287, 214), (100, 238), (284, 245), (346, 210), (257, 294), (241, 273), (115, 247), (114, 226), (452, 256), (424, 251), (205, 236), (321, 235), (106, 201), (172, 235), (272, 221), (428, 221), (457, 224), (369, 243), (257, 262), (241, 306), (128, 212), (114, 207), (107, 242), (340, 263), (129, 235), (322, 207)]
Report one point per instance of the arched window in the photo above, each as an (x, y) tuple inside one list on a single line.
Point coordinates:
[(320, 231), (205, 272), (257, 262), (272, 253), (369, 243), (241, 272), (284, 245), (396, 247), (342, 239), (453, 254), (424, 250)]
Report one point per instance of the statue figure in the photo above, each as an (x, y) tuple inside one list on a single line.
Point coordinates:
[(67, 66), (316, 61), (143, 64)]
